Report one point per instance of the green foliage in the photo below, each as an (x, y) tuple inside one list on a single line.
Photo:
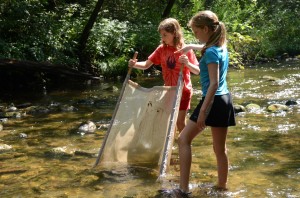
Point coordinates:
[(183, 10), (279, 28), (40, 31), (110, 43), (113, 42), (238, 17), (31, 31)]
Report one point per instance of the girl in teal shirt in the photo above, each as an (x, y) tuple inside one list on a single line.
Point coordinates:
[(215, 109)]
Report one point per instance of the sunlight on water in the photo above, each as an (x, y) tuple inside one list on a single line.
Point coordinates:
[(285, 128)]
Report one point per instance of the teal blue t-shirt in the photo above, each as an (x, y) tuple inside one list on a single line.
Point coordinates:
[(218, 55)]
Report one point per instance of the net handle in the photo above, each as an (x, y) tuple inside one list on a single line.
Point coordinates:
[(130, 68), (171, 129)]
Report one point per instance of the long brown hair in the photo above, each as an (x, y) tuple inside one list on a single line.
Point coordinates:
[(172, 26), (210, 19)]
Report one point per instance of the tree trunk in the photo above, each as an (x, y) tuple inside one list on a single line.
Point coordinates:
[(168, 9), (84, 59)]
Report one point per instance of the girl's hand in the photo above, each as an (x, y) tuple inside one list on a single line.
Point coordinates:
[(201, 121), (132, 62), (183, 59)]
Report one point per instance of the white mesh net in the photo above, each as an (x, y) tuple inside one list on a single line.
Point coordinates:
[(142, 131)]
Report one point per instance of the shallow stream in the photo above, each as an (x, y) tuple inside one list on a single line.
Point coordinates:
[(263, 148)]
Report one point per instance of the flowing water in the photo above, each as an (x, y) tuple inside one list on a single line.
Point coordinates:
[(263, 148)]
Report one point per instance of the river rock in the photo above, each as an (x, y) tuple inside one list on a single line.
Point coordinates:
[(3, 120), (252, 106), (239, 108), (37, 110), (11, 114), (112, 88), (277, 107), (23, 135), (5, 148), (60, 152), (67, 108), (85, 153), (1, 127), (87, 127), (291, 102), (270, 78), (12, 109)]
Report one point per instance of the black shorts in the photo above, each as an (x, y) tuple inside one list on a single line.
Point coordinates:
[(221, 113)]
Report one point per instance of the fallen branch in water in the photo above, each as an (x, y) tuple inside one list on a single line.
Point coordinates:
[(14, 65)]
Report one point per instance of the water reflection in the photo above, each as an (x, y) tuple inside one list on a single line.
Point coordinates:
[(56, 161)]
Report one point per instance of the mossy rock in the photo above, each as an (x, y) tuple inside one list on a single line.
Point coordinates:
[(277, 107), (252, 106), (239, 108)]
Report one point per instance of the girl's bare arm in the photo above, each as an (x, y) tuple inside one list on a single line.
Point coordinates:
[(139, 65)]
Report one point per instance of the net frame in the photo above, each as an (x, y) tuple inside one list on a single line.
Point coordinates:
[(165, 156)]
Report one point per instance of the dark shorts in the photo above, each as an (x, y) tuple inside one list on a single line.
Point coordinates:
[(221, 113)]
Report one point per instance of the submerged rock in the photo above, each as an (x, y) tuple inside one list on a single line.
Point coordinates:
[(37, 110), (60, 152), (277, 107), (85, 153), (11, 114), (23, 135), (67, 108), (239, 108), (87, 127), (5, 148), (291, 102), (270, 78), (112, 88)]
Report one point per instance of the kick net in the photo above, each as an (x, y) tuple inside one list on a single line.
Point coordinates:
[(142, 129)]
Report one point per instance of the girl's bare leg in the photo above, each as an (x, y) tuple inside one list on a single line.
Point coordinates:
[(219, 135), (181, 120), (185, 153)]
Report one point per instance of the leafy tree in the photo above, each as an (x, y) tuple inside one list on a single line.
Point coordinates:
[(51, 30), (278, 29)]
